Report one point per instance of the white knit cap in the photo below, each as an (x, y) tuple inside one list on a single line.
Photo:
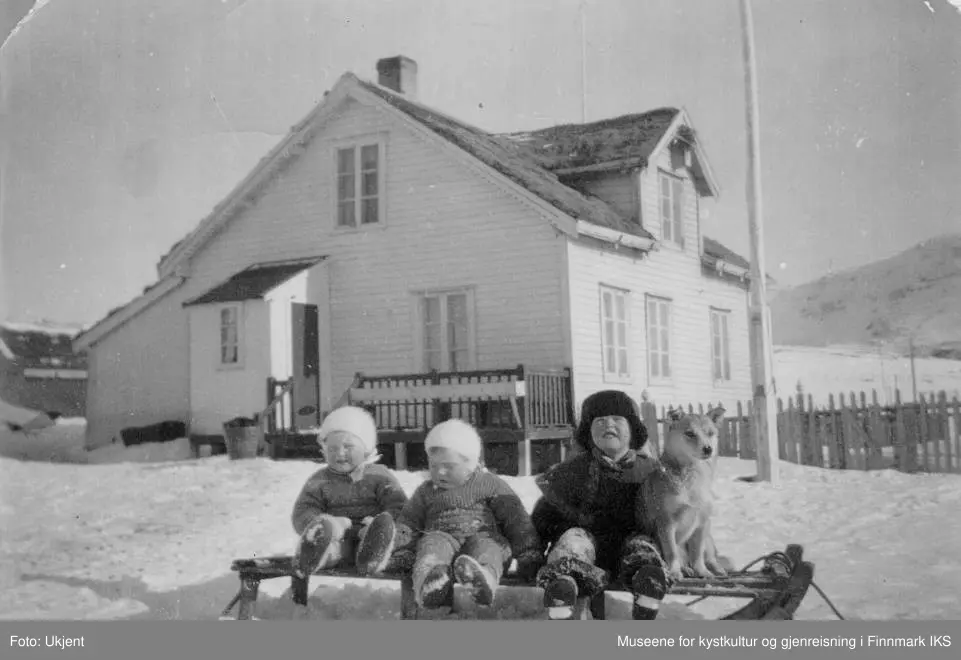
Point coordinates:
[(356, 421), (457, 436)]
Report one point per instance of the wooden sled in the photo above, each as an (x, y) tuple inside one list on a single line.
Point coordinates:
[(772, 592)]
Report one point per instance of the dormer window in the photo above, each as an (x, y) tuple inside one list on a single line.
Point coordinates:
[(672, 208)]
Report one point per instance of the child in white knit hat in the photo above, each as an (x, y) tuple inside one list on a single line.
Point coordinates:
[(346, 509), (464, 523)]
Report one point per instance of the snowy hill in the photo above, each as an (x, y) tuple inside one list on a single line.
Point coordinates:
[(915, 294), (135, 536)]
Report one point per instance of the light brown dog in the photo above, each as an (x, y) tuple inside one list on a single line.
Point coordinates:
[(676, 500)]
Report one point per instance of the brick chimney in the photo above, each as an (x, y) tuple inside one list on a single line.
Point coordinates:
[(399, 74)]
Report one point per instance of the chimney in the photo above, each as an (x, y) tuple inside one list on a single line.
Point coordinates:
[(399, 74)]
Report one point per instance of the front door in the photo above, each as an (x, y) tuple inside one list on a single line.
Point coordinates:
[(305, 342)]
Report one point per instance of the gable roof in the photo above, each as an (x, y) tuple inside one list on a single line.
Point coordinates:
[(252, 283), (536, 162), (625, 141), (511, 160)]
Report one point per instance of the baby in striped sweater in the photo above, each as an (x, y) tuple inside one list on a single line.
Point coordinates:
[(464, 524)]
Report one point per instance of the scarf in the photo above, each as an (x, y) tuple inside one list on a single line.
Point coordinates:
[(603, 463), (358, 472)]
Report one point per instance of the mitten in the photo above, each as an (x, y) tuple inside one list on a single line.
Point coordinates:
[(528, 563)]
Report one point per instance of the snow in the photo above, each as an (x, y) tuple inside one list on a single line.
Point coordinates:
[(52, 329), (148, 533), (845, 369)]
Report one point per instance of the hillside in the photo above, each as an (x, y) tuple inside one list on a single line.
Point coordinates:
[(915, 294)]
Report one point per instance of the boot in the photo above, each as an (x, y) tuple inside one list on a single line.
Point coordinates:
[(560, 597), (436, 590), (481, 580), (649, 586), (375, 548), (314, 547)]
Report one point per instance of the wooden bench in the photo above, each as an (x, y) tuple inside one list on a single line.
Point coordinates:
[(773, 592)]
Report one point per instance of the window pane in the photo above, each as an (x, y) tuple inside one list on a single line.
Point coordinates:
[(368, 157), (606, 305), (458, 360), (345, 161), (345, 187), (622, 335), (369, 211), (664, 346), (432, 360), (345, 214), (368, 186), (655, 365), (620, 307), (609, 333), (652, 344), (622, 361), (611, 365), (665, 365), (457, 308)]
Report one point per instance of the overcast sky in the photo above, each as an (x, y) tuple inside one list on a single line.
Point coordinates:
[(125, 123)]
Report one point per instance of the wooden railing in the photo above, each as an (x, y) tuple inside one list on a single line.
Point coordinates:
[(535, 400), (278, 415)]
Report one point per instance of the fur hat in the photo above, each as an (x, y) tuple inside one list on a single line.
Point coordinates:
[(604, 404), (457, 436), (356, 421)]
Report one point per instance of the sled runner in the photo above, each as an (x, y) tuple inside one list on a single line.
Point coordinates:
[(772, 592)]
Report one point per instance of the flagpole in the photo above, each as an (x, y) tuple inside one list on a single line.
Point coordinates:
[(583, 17), (764, 426)]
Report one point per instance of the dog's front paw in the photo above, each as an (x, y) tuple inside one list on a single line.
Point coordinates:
[(675, 571), (701, 570), (717, 569)]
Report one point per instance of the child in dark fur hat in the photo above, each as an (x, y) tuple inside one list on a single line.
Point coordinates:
[(586, 512)]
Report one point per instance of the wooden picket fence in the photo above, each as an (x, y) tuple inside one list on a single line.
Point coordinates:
[(851, 432)]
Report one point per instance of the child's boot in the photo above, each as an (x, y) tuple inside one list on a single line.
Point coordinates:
[(649, 586), (376, 545), (318, 544), (560, 597), (433, 588), (479, 578)]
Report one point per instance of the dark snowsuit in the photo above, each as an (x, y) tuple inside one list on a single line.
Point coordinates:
[(586, 512)]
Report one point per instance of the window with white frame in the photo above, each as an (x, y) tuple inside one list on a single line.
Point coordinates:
[(672, 208), (359, 185), (658, 338), (615, 333), (230, 335), (721, 344), (448, 330)]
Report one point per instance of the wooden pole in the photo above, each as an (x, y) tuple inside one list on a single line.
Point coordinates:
[(583, 16), (764, 428), (914, 378)]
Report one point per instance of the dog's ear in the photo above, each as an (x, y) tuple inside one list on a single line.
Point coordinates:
[(675, 414), (716, 414)]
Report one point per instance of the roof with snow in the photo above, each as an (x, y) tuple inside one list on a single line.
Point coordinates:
[(252, 283), (40, 346)]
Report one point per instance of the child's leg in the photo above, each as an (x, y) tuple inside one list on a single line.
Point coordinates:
[(431, 574), (481, 565), (322, 545), (375, 544), (643, 568), (570, 570)]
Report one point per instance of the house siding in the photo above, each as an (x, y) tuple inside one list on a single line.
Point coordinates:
[(139, 374), (669, 272), (446, 227), (620, 191), (217, 393)]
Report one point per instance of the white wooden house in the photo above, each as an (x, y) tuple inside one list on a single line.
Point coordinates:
[(382, 236)]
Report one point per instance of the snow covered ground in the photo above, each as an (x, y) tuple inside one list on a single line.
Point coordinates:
[(147, 533), (845, 369)]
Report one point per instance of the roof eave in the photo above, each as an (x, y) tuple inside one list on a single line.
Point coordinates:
[(614, 236), (132, 309)]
